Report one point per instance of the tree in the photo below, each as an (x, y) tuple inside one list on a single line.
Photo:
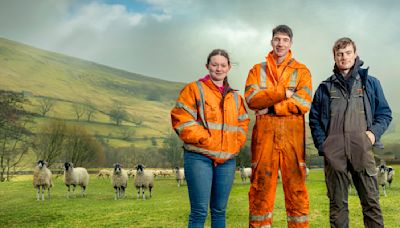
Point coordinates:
[(127, 133), (153, 141), (14, 136), (79, 110), (118, 114), (49, 141), (90, 111), (172, 149), (81, 148), (45, 105), (244, 157)]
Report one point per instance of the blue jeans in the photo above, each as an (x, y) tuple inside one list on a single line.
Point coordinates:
[(208, 184)]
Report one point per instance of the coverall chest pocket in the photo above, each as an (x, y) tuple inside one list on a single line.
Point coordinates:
[(211, 112), (358, 98)]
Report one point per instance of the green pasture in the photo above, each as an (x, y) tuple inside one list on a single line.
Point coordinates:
[(169, 206)]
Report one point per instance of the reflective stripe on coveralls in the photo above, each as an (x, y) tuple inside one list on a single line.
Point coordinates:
[(278, 141)]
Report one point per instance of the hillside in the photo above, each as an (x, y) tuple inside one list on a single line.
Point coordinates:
[(71, 81)]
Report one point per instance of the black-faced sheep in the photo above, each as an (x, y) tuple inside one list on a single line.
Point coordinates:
[(75, 176), (119, 181), (390, 172), (144, 179), (382, 177), (42, 179), (179, 176), (245, 173), (104, 173)]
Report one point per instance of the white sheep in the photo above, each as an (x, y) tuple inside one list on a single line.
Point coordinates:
[(144, 179), (104, 173), (119, 181), (131, 173), (42, 179), (279, 175), (75, 176), (245, 173), (165, 173), (179, 175), (382, 177), (390, 172)]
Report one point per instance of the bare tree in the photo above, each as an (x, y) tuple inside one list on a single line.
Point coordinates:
[(172, 149), (49, 141), (14, 136), (45, 105), (79, 110), (90, 111), (81, 148), (127, 133)]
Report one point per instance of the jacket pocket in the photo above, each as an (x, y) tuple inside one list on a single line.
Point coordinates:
[(210, 112)]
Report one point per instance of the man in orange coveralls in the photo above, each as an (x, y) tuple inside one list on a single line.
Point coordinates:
[(279, 91)]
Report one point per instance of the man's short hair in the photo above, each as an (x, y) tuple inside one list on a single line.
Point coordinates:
[(343, 43), (283, 29)]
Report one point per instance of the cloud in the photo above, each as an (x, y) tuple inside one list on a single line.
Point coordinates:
[(170, 39)]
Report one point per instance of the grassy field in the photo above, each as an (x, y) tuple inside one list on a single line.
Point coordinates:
[(169, 206)]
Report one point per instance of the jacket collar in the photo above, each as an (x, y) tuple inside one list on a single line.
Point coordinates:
[(363, 72), (209, 83)]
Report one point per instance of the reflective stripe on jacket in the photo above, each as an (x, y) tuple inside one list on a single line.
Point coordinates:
[(264, 90), (209, 123)]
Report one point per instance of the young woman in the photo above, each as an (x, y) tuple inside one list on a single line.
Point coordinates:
[(211, 119)]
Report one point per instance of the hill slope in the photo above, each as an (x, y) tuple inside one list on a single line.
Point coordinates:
[(69, 81)]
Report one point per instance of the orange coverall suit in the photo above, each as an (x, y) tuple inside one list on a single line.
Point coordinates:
[(278, 139)]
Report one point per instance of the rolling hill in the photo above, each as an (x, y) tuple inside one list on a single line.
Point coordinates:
[(70, 81)]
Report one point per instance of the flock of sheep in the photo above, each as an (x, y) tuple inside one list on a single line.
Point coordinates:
[(78, 176), (144, 179)]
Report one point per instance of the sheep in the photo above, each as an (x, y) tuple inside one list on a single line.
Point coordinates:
[(382, 177), (75, 176), (279, 175), (144, 179), (165, 173), (390, 172), (245, 173), (104, 173), (119, 181), (179, 175), (131, 173), (42, 178)]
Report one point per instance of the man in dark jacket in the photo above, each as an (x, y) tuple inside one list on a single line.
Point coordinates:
[(348, 115)]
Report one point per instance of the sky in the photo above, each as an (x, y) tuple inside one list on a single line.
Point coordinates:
[(171, 39)]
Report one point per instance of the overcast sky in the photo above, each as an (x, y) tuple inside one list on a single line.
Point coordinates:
[(170, 39)]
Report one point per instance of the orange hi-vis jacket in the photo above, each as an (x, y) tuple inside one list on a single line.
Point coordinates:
[(278, 139), (210, 123), (266, 88)]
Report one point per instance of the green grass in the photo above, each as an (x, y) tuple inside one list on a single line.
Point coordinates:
[(169, 206)]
